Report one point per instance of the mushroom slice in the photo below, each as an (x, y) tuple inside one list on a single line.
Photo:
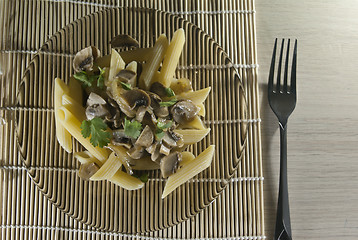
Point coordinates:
[(141, 113), (124, 40), (155, 104), (146, 138), (94, 98), (136, 98), (96, 110), (127, 76), (87, 170), (120, 139), (154, 151), (164, 150), (158, 89), (84, 59), (136, 152), (170, 163), (173, 139), (184, 111)]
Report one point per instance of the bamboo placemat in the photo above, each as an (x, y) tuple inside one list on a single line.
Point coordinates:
[(27, 214)]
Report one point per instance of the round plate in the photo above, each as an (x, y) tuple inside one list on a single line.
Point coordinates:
[(102, 204)]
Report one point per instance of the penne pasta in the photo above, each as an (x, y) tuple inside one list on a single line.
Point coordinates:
[(73, 126), (74, 107), (171, 58), (197, 97), (138, 54), (186, 157), (191, 136), (108, 169), (195, 124), (189, 170), (201, 110), (86, 157), (152, 65), (116, 65), (132, 66), (63, 136), (126, 181)]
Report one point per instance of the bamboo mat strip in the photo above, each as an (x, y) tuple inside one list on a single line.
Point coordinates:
[(27, 214)]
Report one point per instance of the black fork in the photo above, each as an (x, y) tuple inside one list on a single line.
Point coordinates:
[(282, 99)]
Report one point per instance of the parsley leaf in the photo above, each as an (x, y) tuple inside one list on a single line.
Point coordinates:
[(143, 177), (159, 134), (100, 79), (164, 125), (169, 92), (83, 77), (126, 86), (132, 129), (171, 102), (96, 129)]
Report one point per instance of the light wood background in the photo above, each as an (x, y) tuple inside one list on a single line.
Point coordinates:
[(322, 131)]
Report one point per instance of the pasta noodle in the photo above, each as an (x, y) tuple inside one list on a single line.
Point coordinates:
[(189, 170), (126, 181), (117, 64), (86, 157), (197, 97), (73, 126), (138, 54), (172, 58), (201, 109), (63, 136), (191, 136), (196, 124), (74, 107), (186, 157), (132, 66), (108, 169), (152, 65)]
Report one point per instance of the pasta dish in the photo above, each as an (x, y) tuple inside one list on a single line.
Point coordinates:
[(132, 115)]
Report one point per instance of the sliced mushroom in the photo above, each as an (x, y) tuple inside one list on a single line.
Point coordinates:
[(136, 98), (164, 149), (158, 89), (154, 150), (184, 111), (170, 163), (146, 137), (127, 76), (160, 111), (136, 152), (140, 113), (96, 110), (84, 59), (87, 170), (143, 164), (173, 139), (94, 98), (150, 119), (120, 139), (124, 40)]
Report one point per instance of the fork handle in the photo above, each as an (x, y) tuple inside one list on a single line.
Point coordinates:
[(283, 222)]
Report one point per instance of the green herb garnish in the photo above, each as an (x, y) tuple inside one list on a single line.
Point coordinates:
[(132, 129), (171, 102), (143, 177), (164, 125), (170, 92), (100, 79), (96, 129), (87, 79), (126, 86), (159, 134), (83, 78)]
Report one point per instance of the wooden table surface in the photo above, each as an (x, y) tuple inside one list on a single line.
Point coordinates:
[(322, 131)]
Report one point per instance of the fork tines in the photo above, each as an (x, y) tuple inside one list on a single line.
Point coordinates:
[(283, 87)]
